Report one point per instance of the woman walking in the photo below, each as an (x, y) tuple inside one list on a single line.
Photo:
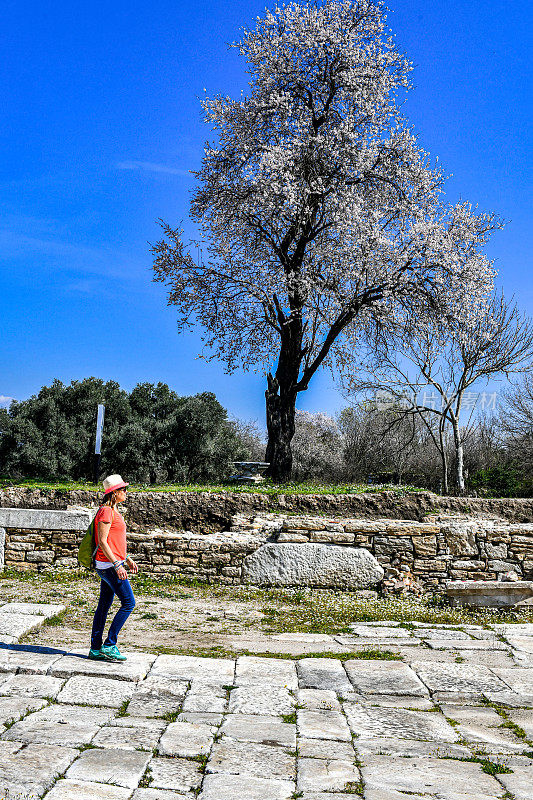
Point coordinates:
[(111, 561)]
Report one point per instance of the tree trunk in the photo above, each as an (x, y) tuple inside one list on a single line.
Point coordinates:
[(459, 460), (280, 398), (444, 462), (280, 417)]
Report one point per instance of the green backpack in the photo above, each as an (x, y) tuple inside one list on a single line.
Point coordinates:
[(87, 549)]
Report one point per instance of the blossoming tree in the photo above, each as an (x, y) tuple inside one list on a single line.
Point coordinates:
[(317, 208)]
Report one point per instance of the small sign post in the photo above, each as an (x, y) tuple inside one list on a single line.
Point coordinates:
[(98, 444)]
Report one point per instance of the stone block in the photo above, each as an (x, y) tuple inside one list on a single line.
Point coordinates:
[(205, 697), (31, 686), (323, 673), (322, 725), (2, 547), (45, 610), (96, 691), (384, 677), (312, 564), (230, 787), (261, 699), (373, 721), (325, 748), (186, 739), (209, 670), (425, 546), (86, 790), (134, 669), (323, 775), (175, 774), (259, 729), (273, 671), (117, 766), (69, 726), (16, 625), (429, 777), (40, 556), (247, 758), (34, 768), (133, 733), (13, 708), (42, 519)]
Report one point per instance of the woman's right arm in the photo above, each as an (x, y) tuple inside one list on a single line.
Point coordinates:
[(103, 533)]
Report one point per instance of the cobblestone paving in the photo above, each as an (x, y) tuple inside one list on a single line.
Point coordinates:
[(451, 720)]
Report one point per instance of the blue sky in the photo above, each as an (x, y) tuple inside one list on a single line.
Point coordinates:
[(101, 123)]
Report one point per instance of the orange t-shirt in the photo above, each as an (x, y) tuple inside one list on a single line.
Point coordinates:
[(117, 533)]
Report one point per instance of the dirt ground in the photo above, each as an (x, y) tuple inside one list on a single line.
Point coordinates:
[(188, 618)]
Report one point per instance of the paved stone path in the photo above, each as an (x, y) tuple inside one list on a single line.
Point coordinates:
[(170, 727)]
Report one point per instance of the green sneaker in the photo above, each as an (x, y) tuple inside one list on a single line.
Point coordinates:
[(112, 653), (96, 655)]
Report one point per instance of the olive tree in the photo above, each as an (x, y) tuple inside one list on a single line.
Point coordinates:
[(317, 208)]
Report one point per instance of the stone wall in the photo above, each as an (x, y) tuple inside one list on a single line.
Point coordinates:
[(434, 551), (440, 549), (211, 511)]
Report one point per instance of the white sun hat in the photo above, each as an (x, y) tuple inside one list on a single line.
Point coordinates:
[(112, 483)]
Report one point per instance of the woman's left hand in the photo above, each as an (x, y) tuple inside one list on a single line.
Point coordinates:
[(132, 565)]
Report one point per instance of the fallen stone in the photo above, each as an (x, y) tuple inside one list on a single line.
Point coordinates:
[(230, 787), (319, 565), (247, 758), (326, 775), (85, 790), (96, 691), (260, 729), (119, 767), (178, 774), (186, 739)]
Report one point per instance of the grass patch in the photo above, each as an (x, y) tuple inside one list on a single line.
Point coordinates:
[(146, 779), (123, 710), (355, 787), (57, 619), (268, 487), (290, 719)]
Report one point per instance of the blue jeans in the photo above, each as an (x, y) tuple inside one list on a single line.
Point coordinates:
[(109, 587)]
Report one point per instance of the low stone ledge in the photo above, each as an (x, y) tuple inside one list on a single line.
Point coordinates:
[(489, 594), (42, 519)]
